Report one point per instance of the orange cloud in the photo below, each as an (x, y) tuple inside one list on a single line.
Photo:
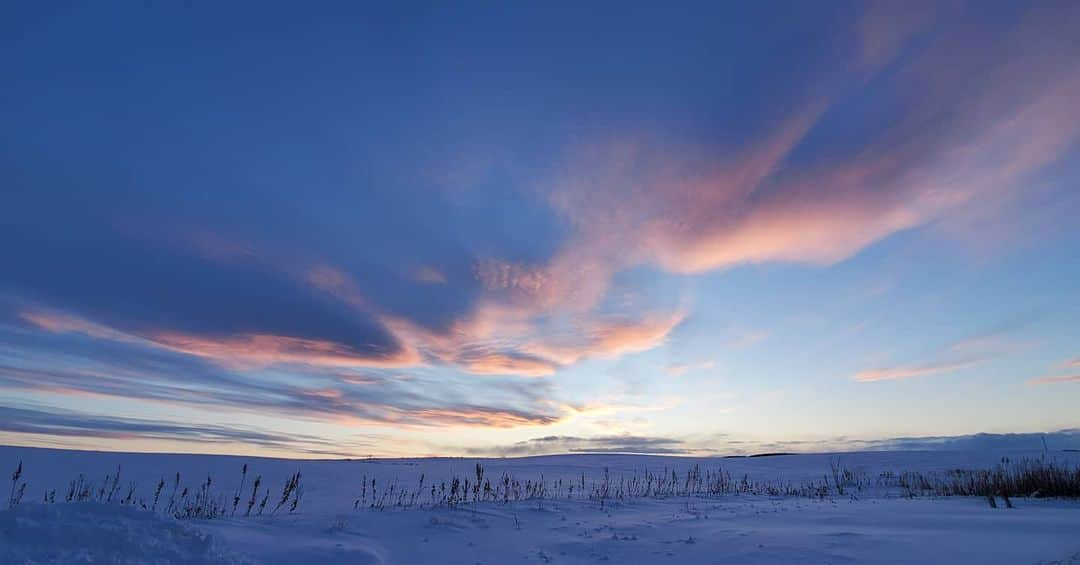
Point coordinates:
[(505, 364), (812, 230), (607, 339), (507, 340), (480, 344), (482, 417), (614, 338), (353, 413), (501, 364)]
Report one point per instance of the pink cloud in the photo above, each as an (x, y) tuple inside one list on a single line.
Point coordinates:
[(335, 282), (963, 148), (509, 341), (606, 339), (482, 418), (236, 351), (611, 338), (258, 350), (909, 372), (318, 404), (679, 369), (62, 323), (528, 286), (497, 363), (1054, 380), (575, 280)]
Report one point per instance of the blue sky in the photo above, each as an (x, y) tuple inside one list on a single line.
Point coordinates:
[(505, 228)]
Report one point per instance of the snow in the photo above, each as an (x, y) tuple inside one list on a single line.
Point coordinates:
[(874, 526), (97, 533)]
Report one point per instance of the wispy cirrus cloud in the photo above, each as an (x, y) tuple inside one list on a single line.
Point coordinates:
[(1054, 380), (333, 281), (395, 405), (1012, 442), (959, 355), (72, 424), (728, 444), (62, 323), (243, 350), (691, 212), (1056, 440), (508, 340), (913, 371), (827, 213), (596, 444), (257, 350), (679, 369), (607, 338), (76, 366), (482, 362)]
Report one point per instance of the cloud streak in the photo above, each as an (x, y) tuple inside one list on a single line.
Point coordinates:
[(959, 355), (913, 371), (1054, 380), (547, 445), (346, 396), (726, 444), (679, 369), (64, 423), (258, 350)]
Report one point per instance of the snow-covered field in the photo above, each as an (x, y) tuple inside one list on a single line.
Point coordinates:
[(868, 524)]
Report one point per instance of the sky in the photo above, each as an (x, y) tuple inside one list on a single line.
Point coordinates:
[(510, 228)]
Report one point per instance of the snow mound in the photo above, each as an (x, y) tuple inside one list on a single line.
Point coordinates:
[(100, 533)]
